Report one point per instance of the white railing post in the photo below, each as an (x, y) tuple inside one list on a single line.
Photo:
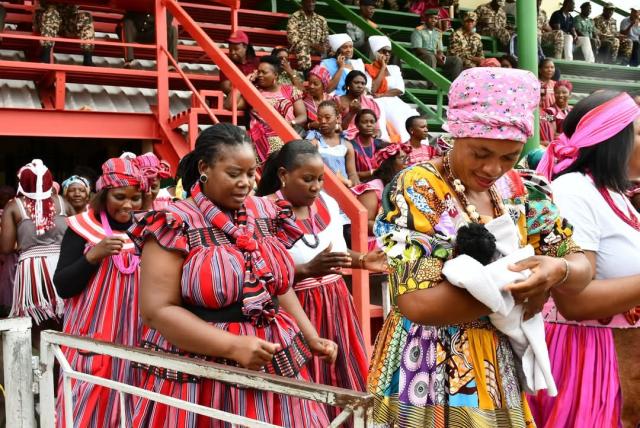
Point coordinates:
[(18, 376), (47, 388)]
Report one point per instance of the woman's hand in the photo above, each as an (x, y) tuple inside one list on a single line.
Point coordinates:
[(326, 263), (341, 60), (313, 125), (376, 261), (324, 348), (252, 76), (534, 304), (109, 246), (354, 106), (253, 353), (546, 273)]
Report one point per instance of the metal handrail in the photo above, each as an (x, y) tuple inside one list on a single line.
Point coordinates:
[(356, 404)]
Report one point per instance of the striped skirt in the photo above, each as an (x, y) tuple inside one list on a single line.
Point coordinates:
[(585, 368), (329, 306), (34, 294)]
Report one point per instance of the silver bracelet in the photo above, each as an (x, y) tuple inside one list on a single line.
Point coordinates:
[(567, 272)]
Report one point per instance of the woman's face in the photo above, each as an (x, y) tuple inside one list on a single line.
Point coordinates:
[(634, 161), (266, 76), (238, 52), (562, 96), (357, 86), (400, 162), (303, 184), (548, 70), (77, 196), (327, 119), (505, 64), (122, 201), (315, 87), (386, 54), (367, 125), (230, 177), (479, 162), (283, 56), (346, 50)]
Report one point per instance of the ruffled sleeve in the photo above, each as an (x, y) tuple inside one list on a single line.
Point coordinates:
[(287, 231), (168, 229), (415, 229), (547, 231)]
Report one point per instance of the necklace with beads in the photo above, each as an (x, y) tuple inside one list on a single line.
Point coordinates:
[(459, 189)]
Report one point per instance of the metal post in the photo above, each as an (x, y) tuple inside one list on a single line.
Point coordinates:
[(527, 23), (18, 376), (47, 388), (162, 63)]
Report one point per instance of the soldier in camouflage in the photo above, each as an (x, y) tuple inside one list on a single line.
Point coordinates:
[(307, 34), (618, 47), (466, 44), (53, 19), (549, 38), (492, 21)]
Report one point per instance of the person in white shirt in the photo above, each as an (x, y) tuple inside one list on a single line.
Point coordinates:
[(593, 164), (630, 27)]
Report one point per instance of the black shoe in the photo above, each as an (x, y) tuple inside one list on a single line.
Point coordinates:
[(87, 60), (46, 55)]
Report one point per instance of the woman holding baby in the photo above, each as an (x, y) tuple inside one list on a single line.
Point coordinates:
[(447, 353)]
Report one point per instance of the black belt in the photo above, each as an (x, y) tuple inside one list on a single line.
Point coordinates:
[(231, 313)]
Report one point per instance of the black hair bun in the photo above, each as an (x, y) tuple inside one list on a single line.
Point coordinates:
[(476, 241)]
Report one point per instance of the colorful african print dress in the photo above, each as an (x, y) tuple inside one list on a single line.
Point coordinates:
[(458, 375), (327, 302), (213, 286), (107, 309)]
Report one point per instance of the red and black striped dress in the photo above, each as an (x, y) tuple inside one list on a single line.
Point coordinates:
[(106, 309), (212, 278), (328, 303)]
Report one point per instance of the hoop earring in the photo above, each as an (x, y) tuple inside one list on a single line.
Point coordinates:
[(203, 178)]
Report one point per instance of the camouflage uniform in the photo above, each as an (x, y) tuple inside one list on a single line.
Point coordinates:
[(465, 46), (610, 39), (65, 19), (493, 23), (303, 32), (553, 39)]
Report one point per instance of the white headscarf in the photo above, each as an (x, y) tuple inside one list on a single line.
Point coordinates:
[(378, 42), (337, 40)]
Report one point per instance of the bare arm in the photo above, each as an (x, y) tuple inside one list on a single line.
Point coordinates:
[(443, 304), (301, 112), (161, 308), (602, 298), (8, 234), (352, 173), (370, 202)]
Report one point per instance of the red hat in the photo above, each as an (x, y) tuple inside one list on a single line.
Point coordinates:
[(238, 36)]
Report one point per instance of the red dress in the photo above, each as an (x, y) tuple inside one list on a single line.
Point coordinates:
[(107, 309), (213, 279), (328, 303)]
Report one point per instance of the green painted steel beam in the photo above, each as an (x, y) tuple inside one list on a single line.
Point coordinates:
[(527, 27)]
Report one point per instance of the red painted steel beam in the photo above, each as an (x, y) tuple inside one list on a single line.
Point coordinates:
[(77, 124)]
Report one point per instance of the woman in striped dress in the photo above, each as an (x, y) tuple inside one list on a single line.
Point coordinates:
[(34, 221), (216, 285), (296, 174), (98, 276)]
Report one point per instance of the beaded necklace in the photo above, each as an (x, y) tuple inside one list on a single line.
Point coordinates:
[(459, 189), (631, 219)]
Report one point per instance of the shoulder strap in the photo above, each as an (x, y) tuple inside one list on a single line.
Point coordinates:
[(23, 212)]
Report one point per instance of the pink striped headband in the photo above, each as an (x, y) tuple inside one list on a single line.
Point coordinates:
[(598, 125)]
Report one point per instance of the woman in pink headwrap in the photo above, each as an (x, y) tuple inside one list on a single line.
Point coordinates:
[(596, 335), (552, 118), (449, 351), (97, 275), (318, 81), (154, 170), (35, 222)]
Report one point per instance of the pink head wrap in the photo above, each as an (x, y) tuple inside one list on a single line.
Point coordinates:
[(152, 167), (564, 84), (598, 125), (322, 74), (495, 103), (121, 172), (390, 151)]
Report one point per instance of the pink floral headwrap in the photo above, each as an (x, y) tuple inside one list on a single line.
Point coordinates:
[(495, 103), (322, 74)]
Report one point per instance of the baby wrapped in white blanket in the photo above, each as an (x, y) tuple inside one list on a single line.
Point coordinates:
[(485, 283)]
